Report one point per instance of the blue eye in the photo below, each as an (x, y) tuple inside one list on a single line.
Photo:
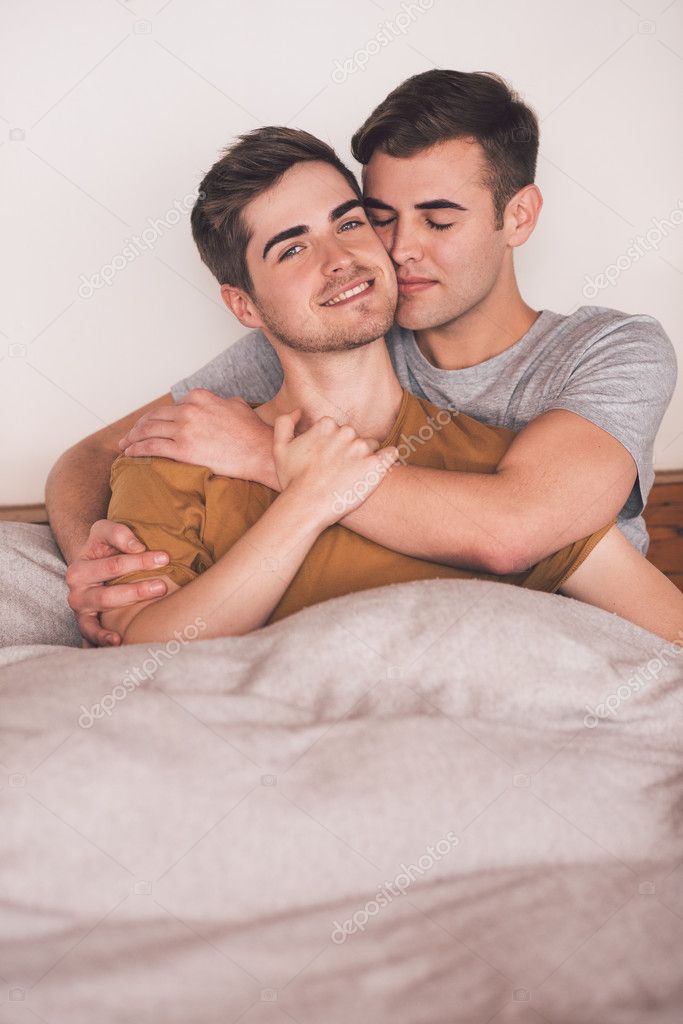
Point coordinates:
[(352, 223), (288, 252)]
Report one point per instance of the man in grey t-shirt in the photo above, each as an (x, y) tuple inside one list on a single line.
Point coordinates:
[(613, 369), (449, 163)]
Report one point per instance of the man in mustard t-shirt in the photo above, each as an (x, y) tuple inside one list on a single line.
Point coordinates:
[(282, 227)]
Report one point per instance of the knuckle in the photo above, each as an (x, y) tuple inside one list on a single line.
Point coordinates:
[(115, 565), (197, 395)]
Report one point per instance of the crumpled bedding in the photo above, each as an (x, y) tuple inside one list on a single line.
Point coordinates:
[(444, 801)]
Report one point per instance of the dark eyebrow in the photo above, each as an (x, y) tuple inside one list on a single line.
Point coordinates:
[(432, 204), (302, 229), (339, 211), (439, 204), (282, 236), (377, 204)]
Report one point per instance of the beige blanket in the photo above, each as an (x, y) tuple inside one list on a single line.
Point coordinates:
[(436, 802)]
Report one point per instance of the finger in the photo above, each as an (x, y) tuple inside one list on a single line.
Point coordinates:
[(87, 573), (388, 456), (102, 599), (283, 430), (94, 634), (117, 535), (145, 429), (197, 396), (159, 447)]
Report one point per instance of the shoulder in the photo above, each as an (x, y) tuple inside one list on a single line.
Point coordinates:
[(592, 325), (619, 349), (447, 426), (153, 472)]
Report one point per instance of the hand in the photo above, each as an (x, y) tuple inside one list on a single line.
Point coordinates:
[(330, 466), (103, 558), (224, 434)]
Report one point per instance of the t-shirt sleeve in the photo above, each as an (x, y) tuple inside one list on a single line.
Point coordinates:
[(162, 502), (249, 369), (553, 572), (623, 383)]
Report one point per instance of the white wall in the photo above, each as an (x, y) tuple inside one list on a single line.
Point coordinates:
[(109, 116)]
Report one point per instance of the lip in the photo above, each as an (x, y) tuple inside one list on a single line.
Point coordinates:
[(346, 288), (409, 285)]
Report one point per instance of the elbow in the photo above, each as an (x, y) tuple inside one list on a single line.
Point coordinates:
[(507, 556)]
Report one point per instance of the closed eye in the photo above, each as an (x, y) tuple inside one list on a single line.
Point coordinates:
[(430, 223)]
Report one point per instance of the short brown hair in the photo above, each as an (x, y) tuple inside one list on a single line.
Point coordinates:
[(440, 105), (248, 167)]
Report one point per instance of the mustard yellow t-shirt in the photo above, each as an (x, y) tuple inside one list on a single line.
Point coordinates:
[(197, 516)]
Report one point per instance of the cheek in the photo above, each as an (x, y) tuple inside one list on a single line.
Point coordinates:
[(466, 252)]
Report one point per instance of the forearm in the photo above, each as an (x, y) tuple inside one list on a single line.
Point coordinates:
[(469, 520), (77, 494), (239, 592)]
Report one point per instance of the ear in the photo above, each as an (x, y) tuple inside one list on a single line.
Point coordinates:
[(239, 303), (522, 213)]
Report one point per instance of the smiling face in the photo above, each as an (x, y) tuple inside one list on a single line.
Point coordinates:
[(322, 280), (435, 217)]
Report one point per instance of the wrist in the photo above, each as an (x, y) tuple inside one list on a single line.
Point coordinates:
[(312, 514), (264, 468)]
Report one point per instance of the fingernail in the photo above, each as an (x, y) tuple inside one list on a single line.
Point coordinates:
[(156, 588), (160, 559)]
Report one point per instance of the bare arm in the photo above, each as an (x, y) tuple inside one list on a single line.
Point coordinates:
[(77, 488), (77, 495), (619, 579), (238, 593), (561, 479)]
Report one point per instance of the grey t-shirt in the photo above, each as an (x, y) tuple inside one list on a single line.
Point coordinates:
[(612, 368)]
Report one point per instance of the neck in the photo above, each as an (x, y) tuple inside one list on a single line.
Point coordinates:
[(492, 325), (356, 386)]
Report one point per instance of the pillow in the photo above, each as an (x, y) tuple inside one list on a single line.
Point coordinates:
[(33, 591)]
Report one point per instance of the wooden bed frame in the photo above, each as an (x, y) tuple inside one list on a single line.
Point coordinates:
[(664, 517)]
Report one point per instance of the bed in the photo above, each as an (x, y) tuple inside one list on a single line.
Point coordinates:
[(444, 801)]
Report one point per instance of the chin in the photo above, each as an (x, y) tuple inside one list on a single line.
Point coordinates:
[(415, 317)]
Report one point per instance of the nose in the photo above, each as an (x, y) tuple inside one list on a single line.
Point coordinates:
[(335, 256), (404, 245)]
